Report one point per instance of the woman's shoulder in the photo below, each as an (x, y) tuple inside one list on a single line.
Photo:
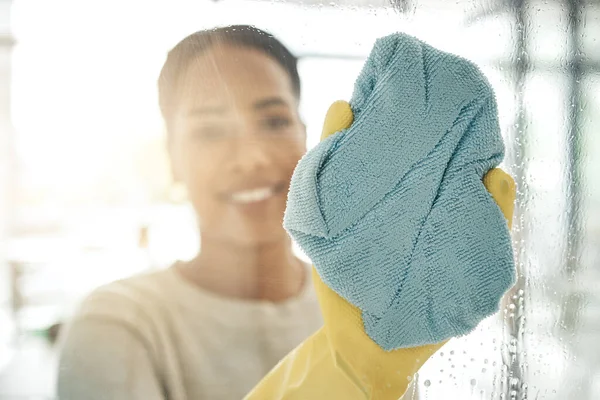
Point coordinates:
[(132, 299)]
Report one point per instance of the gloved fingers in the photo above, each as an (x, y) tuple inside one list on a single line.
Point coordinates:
[(339, 116), (502, 187)]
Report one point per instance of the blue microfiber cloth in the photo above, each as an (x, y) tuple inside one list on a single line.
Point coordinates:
[(393, 211)]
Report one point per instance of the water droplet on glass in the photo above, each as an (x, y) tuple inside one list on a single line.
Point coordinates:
[(409, 378), (442, 354), (452, 353), (473, 382), (485, 361), (427, 383), (483, 370)]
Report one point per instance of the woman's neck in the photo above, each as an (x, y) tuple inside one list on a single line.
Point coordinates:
[(263, 272)]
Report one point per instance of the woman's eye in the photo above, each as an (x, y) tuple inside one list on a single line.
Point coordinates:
[(276, 123)]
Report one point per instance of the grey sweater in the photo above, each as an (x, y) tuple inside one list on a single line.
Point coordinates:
[(157, 337)]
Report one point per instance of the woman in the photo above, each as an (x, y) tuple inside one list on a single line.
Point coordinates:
[(210, 328)]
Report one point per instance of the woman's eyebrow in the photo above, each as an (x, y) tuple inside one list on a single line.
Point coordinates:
[(205, 110), (269, 102)]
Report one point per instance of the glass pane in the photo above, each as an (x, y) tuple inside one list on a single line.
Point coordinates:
[(89, 194), (548, 27), (486, 36), (591, 42), (582, 296), (325, 81)]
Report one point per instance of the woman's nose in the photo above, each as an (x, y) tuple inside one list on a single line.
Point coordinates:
[(250, 154)]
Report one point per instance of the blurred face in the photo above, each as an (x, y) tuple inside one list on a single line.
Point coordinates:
[(237, 138)]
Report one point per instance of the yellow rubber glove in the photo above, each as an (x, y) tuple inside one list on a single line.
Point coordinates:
[(340, 361)]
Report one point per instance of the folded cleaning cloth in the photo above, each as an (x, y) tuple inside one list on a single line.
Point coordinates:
[(393, 211)]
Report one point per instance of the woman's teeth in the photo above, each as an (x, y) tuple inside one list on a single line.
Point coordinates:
[(252, 196)]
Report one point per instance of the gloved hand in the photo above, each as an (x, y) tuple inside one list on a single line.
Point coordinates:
[(340, 361)]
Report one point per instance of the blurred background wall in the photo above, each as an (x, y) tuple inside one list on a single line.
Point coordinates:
[(86, 195)]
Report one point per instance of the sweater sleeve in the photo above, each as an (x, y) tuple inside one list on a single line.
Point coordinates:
[(104, 359)]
